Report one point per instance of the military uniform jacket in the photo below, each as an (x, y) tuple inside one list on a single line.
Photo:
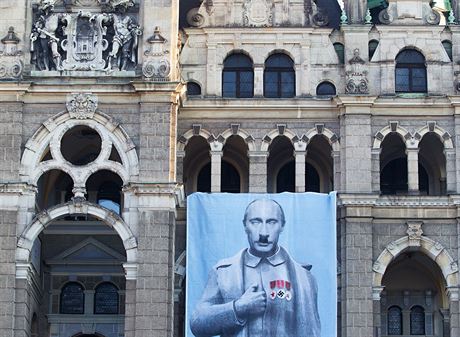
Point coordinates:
[(214, 314)]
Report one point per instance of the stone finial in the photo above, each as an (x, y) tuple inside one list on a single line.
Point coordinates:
[(344, 18), (451, 18), (82, 105), (11, 37), (368, 17), (157, 42)]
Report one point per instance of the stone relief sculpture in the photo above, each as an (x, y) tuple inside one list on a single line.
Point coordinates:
[(85, 40), (357, 82), (125, 39), (44, 38), (11, 65), (156, 64)]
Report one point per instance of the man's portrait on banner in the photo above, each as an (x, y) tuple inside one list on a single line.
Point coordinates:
[(260, 289)]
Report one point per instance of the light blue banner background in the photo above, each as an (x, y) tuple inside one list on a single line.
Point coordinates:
[(215, 231)]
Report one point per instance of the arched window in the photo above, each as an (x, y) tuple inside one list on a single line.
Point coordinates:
[(417, 320), (193, 89), (229, 179), (340, 50), (448, 47), (410, 72), (394, 321), (238, 77), (109, 196), (72, 299), (279, 77), (325, 89), (106, 299), (373, 44)]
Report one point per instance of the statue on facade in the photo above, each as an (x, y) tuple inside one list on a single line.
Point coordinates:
[(125, 39), (45, 40)]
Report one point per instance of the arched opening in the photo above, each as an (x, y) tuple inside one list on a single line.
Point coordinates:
[(372, 47), (448, 48), (432, 179), (393, 165), (238, 76), (410, 73), (281, 153), (340, 51), (193, 89), (54, 187), (279, 76), (197, 166), (319, 170), (104, 188), (326, 89), (81, 145), (106, 299), (235, 166), (72, 299), (414, 301)]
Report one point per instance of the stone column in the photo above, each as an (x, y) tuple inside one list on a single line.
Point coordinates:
[(130, 303), (180, 166), (357, 273), (258, 171), (216, 170), (20, 296), (303, 86), (454, 311), (336, 162), (300, 170), (375, 166), (387, 75), (258, 80), (412, 171), (451, 179), (377, 315), (213, 80)]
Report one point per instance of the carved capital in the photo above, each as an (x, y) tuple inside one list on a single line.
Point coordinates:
[(82, 105)]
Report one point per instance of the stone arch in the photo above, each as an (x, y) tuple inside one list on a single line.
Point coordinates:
[(405, 135), (228, 50), (295, 58), (443, 135), (281, 130), (235, 130), (431, 248), (50, 133), (196, 130), (81, 207), (319, 129)]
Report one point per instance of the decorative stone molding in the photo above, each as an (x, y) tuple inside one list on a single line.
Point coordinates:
[(414, 232), (11, 65), (385, 17), (156, 64), (357, 82), (195, 18), (258, 13), (433, 17), (130, 271), (196, 130), (81, 105)]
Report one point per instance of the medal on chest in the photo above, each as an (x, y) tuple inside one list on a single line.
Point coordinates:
[(280, 289)]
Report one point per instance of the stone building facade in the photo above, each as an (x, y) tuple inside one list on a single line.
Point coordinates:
[(113, 111)]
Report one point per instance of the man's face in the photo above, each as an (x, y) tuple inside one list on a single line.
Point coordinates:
[(263, 226)]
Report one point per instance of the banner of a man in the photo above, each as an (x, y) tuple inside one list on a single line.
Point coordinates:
[(261, 265)]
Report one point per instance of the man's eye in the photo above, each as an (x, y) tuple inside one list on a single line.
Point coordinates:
[(255, 222), (272, 222)]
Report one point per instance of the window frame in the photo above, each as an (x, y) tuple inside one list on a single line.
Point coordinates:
[(411, 67), (61, 295), (237, 70), (279, 71), (95, 303)]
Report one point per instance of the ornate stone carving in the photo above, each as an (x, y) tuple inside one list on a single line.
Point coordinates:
[(320, 18), (385, 17), (85, 40), (195, 18), (357, 82), (10, 62), (258, 13), (433, 17), (81, 106), (156, 65), (414, 233)]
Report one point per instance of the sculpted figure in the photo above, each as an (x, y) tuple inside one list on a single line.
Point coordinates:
[(44, 42), (125, 39)]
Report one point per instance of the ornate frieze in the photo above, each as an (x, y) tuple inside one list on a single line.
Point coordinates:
[(102, 36), (82, 105), (11, 65), (357, 82), (258, 13)]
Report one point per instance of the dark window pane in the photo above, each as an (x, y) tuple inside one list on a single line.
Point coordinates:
[(418, 80), (246, 84), (372, 48), (106, 299), (230, 178), (417, 321), (271, 84), (448, 47), (193, 89), (394, 321), (287, 84), (229, 84), (279, 61), (237, 61), (72, 299), (402, 80), (326, 89), (340, 50), (410, 56)]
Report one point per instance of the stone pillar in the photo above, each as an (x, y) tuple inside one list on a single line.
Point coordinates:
[(387, 77), (213, 80), (357, 273), (377, 315), (451, 179), (180, 166), (130, 307), (412, 171), (304, 87), (258, 171), (20, 296), (375, 158), (300, 163), (336, 162), (356, 10), (454, 311), (258, 80), (216, 170)]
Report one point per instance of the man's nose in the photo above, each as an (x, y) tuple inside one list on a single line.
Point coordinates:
[(263, 230)]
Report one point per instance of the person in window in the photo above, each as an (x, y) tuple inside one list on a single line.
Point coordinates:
[(261, 291)]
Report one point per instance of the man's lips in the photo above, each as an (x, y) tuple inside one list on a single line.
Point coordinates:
[(263, 243)]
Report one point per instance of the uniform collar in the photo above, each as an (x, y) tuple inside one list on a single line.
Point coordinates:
[(252, 261)]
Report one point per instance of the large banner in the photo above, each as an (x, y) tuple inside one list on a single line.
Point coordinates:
[(261, 265)]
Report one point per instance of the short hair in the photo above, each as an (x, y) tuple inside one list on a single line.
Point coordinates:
[(283, 218)]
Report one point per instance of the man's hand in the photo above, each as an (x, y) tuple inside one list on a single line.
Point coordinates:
[(252, 302)]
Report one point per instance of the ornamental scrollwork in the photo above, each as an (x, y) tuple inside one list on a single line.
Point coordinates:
[(82, 105)]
